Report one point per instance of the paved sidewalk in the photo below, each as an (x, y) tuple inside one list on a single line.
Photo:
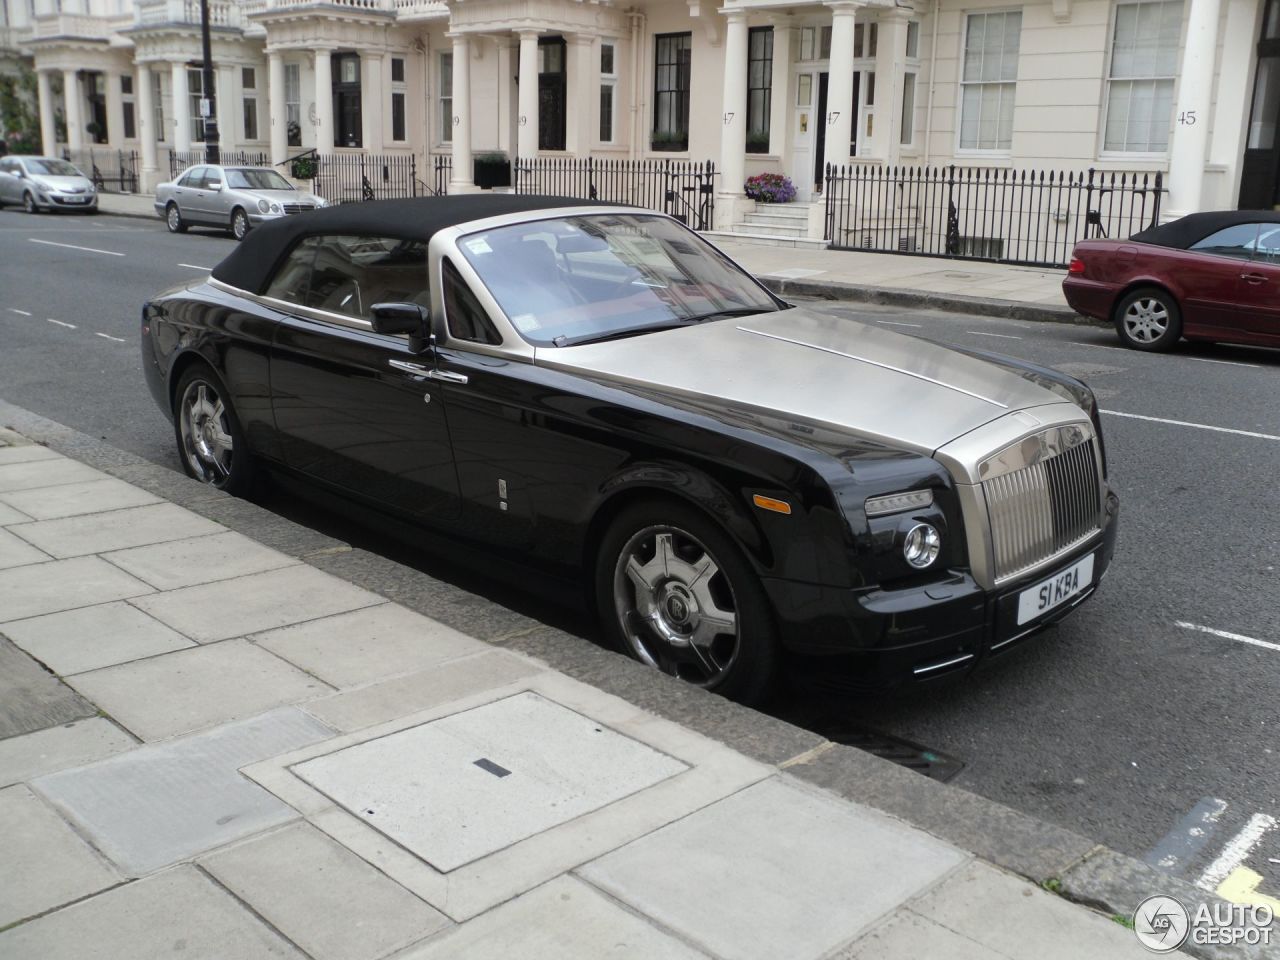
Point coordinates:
[(231, 753), (128, 205)]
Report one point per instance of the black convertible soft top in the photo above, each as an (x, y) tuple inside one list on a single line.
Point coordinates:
[(252, 263), (1194, 227)]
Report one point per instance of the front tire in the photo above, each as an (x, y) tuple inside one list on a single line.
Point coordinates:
[(239, 223), (210, 441), (29, 203), (173, 219), (675, 592), (1148, 319)]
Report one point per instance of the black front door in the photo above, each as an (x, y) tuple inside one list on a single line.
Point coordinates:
[(820, 145), (347, 120), (551, 93), (1260, 172), (97, 85)]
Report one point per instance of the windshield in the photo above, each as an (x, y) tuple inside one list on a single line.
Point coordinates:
[(576, 279), (256, 180), (50, 167)]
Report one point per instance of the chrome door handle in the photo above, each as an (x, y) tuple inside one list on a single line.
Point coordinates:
[(414, 368), (448, 376), (1254, 278)]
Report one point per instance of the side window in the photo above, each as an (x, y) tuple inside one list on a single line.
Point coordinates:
[(212, 175), (351, 274), (1237, 242), (192, 177), (466, 317), (1269, 243), (293, 277)]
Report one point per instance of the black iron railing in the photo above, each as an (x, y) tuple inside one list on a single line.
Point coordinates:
[(353, 177), (443, 167), (1029, 217), (179, 160), (112, 171), (681, 188)]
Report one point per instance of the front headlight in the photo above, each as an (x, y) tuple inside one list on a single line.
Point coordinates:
[(275, 208), (263, 206), (319, 202), (898, 502)]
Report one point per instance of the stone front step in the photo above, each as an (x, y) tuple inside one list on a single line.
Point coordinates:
[(773, 229), (765, 239)]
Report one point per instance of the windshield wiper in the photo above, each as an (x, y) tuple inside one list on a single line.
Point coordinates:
[(725, 314), (563, 341)]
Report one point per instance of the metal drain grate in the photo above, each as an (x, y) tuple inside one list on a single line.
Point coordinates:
[(931, 763)]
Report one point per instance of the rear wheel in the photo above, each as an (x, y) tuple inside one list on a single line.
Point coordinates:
[(173, 219), (239, 223), (675, 592), (1148, 319), (210, 441)]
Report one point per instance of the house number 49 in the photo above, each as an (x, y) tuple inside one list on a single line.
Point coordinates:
[(1187, 117)]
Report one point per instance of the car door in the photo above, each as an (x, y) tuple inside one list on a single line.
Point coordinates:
[(9, 181), (215, 196), (355, 409), (184, 194), (1211, 278), (1258, 301)]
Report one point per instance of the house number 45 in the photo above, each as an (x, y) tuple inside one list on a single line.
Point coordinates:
[(1187, 117)]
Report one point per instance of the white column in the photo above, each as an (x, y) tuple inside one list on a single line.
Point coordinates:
[(891, 63), (324, 100), (230, 112), (73, 99), (462, 179), (276, 108), (506, 105), (780, 89), (1235, 91), (372, 95), (181, 98), (581, 82), (840, 119), (527, 118), (115, 109), (48, 128), (146, 120), (733, 132), (1190, 140)]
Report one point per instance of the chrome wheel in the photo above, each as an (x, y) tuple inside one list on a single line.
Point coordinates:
[(1146, 320), (676, 606), (173, 218), (29, 203), (239, 224), (205, 429)]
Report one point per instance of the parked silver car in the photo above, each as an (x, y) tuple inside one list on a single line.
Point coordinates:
[(234, 198), (45, 183)]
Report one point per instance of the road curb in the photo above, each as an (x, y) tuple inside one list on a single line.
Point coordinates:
[(924, 300), (1057, 858), (132, 214)]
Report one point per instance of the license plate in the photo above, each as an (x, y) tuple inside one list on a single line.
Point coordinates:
[(76, 199), (1057, 590)]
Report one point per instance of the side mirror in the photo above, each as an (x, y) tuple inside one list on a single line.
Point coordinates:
[(214, 185), (397, 318)]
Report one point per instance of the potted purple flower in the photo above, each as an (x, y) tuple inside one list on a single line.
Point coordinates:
[(770, 188)]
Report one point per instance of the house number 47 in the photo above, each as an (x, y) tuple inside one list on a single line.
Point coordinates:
[(1187, 117)]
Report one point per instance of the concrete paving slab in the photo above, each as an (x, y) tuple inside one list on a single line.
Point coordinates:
[(89, 638), (355, 648), (403, 696), (185, 563), (63, 585), (45, 863), (195, 688), (15, 552), (77, 499), (27, 453), (116, 530), (322, 896), (462, 787), (45, 473), (178, 913), (8, 515), (264, 601), (162, 803), (562, 920), (909, 936), (58, 748), (1034, 924), (31, 698), (849, 866)]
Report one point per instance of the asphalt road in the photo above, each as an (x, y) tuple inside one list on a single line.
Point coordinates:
[(1148, 703)]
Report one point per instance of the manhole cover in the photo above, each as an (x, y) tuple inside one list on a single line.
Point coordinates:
[(462, 787)]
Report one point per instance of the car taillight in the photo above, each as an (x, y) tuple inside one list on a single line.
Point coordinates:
[(1077, 265)]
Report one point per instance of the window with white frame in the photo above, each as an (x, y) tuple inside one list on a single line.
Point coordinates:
[(195, 93), (399, 91), (907, 132), (157, 99), (446, 98), (127, 102), (608, 90), (989, 80), (1144, 61), (249, 101), (293, 103)]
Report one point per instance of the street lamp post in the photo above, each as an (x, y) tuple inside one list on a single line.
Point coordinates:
[(206, 85)]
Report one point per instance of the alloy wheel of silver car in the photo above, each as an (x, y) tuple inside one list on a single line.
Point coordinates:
[(29, 203), (676, 606), (239, 224), (1146, 320), (173, 219), (205, 428)]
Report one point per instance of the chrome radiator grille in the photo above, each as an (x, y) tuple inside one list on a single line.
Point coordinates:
[(1043, 509), (298, 207)]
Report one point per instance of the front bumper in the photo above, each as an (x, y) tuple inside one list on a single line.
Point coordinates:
[(72, 201), (890, 638)]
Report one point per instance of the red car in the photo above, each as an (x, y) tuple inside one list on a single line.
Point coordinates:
[(1206, 276)]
